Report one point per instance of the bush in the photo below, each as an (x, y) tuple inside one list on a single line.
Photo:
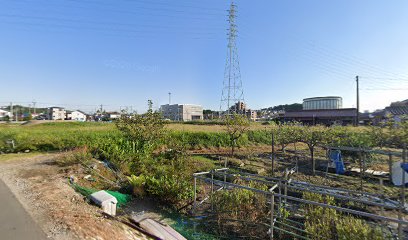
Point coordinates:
[(78, 156), (326, 223), (237, 211)]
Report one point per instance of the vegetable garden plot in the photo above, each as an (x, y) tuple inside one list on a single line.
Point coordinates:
[(239, 205)]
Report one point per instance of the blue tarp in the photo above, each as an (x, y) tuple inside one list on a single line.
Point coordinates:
[(335, 157), (404, 166)]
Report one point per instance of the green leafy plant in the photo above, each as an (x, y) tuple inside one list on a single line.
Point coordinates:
[(326, 223), (236, 126)]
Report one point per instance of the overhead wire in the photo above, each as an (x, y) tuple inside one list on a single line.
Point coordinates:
[(155, 13), (127, 33), (198, 32), (354, 60), (103, 23), (99, 3)]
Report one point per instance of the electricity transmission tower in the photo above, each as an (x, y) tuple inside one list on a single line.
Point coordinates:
[(232, 91)]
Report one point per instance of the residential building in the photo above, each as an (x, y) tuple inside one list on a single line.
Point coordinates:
[(397, 113), (400, 104), (113, 115), (76, 116), (182, 112), (251, 114), (241, 108), (56, 113), (4, 114)]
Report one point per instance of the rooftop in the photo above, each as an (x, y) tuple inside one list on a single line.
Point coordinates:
[(397, 110), (316, 98)]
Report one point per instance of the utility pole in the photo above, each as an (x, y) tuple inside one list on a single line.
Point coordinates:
[(358, 102), (169, 98), (11, 111), (101, 108), (34, 102)]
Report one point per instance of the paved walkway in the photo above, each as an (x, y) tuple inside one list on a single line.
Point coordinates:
[(15, 222)]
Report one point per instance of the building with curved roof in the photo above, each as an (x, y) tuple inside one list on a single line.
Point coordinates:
[(317, 103)]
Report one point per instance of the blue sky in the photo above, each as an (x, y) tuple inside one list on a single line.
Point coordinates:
[(83, 53)]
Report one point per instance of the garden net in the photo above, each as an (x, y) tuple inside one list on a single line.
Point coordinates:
[(123, 199)]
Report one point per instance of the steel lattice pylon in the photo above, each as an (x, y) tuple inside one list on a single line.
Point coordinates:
[(232, 91)]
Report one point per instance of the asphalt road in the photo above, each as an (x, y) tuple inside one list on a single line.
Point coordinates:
[(15, 222)]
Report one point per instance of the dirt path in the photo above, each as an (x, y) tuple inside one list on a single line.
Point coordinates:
[(43, 190)]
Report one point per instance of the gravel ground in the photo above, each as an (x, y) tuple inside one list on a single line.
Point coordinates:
[(43, 190)]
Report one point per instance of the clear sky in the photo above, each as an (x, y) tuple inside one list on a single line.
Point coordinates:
[(83, 53)]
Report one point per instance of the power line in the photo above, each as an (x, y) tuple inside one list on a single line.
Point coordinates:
[(132, 33), (144, 6), (387, 79), (172, 4), (385, 89), (349, 59), (92, 22), (155, 13)]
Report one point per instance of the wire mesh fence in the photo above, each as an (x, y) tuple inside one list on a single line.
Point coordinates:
[(245, 205)]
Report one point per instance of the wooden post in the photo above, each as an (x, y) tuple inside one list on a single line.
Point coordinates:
[(400, 227), (296, 157), (364, 163), (382, 195), (273, 154), (404, 158), (361, 169), (286, 186), (225, 166), (400, 216), (212, 190), (390, 166), (195, 194), (280, 192)]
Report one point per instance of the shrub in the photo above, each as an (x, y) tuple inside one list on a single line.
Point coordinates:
[(78, 156), (326, 223), (239, 210)]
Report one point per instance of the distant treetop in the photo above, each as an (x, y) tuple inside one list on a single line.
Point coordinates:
[(286, 107)]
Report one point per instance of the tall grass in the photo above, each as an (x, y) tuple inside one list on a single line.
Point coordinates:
[(65, 136), (68, 135)]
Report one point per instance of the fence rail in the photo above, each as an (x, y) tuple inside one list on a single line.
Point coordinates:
[(277, 184)]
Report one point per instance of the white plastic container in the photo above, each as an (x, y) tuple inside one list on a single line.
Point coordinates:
[(397, 172), (106, 201)]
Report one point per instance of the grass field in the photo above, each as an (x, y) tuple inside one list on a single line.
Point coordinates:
[(51, 136)]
